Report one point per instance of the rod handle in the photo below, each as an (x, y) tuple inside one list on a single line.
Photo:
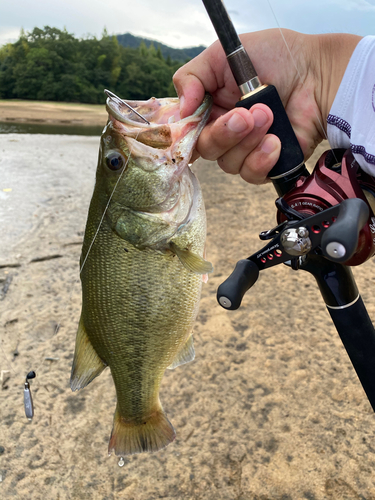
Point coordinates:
[(291, 155), (357, 333)]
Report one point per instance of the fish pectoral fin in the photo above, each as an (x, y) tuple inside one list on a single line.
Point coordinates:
[(184, 355), (86, 363), (192, 261)]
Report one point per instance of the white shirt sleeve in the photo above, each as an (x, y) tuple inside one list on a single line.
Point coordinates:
[(351, 121)]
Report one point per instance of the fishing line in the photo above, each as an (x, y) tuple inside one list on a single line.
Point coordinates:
[(300, 76), (106, 208), (28, 402), (95, 236)]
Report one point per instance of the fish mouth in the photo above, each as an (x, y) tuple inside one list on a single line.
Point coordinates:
[(157, 123), (160, 141)]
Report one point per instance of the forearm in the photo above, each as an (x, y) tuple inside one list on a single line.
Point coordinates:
[(332, 54)]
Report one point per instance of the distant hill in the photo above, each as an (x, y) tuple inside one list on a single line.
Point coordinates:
[(129, 40)]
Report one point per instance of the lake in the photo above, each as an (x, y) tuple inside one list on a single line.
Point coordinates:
[(47, 128)]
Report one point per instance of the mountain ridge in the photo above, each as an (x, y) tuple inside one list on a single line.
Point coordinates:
[(182, 55)]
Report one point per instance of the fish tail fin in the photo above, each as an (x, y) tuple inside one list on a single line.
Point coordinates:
[(152, 434)]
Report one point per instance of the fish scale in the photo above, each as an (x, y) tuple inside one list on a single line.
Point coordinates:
[(132, 329), (141, 285)]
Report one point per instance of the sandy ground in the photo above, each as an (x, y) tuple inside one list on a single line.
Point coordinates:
[(270, 409), (57, 113)]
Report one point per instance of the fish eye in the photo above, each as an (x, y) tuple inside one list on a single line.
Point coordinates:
[(115, 161)]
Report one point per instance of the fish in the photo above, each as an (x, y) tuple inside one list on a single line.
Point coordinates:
[(142, 264)]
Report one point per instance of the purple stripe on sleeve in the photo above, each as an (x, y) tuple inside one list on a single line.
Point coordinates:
[(339, 123), (345, 127), (360, 150)]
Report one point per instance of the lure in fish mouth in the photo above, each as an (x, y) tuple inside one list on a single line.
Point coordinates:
[(157, 122), (142, 264)]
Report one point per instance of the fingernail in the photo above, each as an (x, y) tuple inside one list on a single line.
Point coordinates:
[(260, 118), (236, 123), (269, 145)]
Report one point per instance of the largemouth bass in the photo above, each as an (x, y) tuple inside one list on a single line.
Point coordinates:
[(142, 264)]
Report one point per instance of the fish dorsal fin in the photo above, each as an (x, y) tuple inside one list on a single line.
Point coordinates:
[(184, 355), (86, 363), (192, 261)]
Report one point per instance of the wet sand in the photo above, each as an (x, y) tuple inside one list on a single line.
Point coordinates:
[(54, 113), (271, 408)]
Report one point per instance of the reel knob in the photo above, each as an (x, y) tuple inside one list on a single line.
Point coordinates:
[(339, 242), (230, 293)]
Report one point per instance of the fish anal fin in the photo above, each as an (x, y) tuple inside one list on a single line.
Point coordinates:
[(192, 261), (152, 434), (86, 363), (184, 355)]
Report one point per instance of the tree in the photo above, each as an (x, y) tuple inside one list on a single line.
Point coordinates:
[(51, 64), (159, 55)]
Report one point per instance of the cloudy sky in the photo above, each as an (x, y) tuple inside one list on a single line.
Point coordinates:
[(183, 23)]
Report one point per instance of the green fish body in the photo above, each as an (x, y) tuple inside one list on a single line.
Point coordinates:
[(142, 265)]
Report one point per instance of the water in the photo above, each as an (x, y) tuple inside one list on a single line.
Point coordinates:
[(46, 128), (35, 170)]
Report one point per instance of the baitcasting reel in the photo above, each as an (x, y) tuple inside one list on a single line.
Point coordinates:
[(326, 220), (326, 224), (327, 214)]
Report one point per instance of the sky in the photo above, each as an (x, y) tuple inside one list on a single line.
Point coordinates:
[(183, 23)]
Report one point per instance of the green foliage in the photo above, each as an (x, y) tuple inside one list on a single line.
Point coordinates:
[(50, 64)]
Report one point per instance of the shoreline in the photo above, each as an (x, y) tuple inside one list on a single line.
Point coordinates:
[(52, 113)]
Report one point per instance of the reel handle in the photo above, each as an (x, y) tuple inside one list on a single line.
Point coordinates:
[(339, 242), (230, 293)]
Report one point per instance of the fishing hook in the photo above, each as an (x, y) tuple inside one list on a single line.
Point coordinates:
[(114, 97)]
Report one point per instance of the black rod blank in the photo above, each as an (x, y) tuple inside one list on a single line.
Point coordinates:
[(223, 25), (238, 59)]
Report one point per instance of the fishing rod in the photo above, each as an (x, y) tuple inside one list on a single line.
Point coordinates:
[(326, 220)]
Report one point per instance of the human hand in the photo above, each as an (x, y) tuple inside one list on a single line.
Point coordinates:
[(237, 138)]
